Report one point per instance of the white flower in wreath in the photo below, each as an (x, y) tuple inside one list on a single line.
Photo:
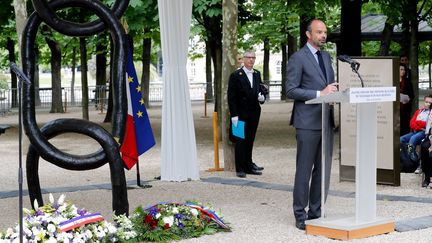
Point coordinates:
[(157, 215), (194, 212), (51, 198), (88, 233), (35, 204), (51, 228), (64, 236), (168, 220), (43, 218), (100, 233), (175, 210), (78, 238), (38, 233), (74, 209), (58, 220), (111, 229), (51, 240), (61, 209), (61, 199), (26, 230), (11, 233)]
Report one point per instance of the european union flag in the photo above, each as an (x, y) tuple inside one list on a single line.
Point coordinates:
[(139, 135)]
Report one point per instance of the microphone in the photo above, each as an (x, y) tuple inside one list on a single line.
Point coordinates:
[(354, 65), (347, 59)]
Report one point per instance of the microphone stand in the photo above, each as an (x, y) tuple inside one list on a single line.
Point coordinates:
[(355, 67), (21, 78)]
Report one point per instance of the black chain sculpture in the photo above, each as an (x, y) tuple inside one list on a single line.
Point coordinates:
[(40, 146)]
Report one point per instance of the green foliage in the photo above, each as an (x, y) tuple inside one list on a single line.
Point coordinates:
[(370, 48), (6, 12), (210, 8), (425, 52), (143, 22), (275, 19), (4, 59), (4, 81)]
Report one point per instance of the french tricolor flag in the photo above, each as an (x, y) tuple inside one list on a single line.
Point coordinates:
[(139, 135), (79, 221)]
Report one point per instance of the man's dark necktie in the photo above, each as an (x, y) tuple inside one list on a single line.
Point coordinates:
[(321, 64)]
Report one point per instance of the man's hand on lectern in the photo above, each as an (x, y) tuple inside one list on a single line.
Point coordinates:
[(331, 88)]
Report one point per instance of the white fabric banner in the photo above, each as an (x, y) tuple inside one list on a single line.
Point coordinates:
[(179, 157)]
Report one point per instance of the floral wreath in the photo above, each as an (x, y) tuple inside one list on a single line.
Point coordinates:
[(61, 221)]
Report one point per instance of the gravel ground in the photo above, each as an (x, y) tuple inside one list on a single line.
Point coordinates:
[(255, 214)]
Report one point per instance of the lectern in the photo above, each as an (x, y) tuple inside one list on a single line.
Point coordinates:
[(365, 222)]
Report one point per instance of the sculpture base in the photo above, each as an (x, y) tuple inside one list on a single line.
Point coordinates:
[(346, 228)]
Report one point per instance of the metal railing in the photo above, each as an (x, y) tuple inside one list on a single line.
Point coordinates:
[(98, 95), (5, 105), (275, 89)]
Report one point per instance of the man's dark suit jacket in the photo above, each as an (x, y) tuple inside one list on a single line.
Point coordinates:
[(305, 80), (243, 102), (242, 99)]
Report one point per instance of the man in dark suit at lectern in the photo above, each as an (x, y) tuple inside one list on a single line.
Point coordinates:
[(310, 75)]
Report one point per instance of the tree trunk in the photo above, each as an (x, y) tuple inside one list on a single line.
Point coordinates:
[(303, 27), (20, 8), (305, 18), (145, 79), (414, 52), (406, 35), (386, 39), (283, 71), (109, 111), (73, 75), (219, 91), (266, 70), (351, 27), (214, 38), (12, 58), (229, 65), (209, 81), (292, 45), (84, 82), (101, 67), (108, 116), (56, 89), (430, 66)]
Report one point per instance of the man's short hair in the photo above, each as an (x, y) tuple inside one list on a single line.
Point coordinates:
[(309, 25), (248, 52)]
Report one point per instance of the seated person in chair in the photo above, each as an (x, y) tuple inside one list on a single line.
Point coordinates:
[(426, 158), (418, 126)]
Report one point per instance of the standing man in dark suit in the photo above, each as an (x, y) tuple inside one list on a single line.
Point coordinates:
[(244, 99), (310, 75)]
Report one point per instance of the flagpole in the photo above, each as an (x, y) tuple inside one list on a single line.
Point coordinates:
[(138, 174), (133, 73), (139, 177)]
